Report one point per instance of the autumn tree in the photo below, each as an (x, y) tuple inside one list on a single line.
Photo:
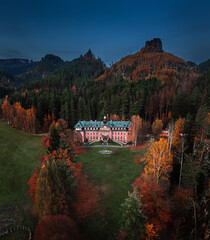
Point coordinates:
[(58, 227), (87, 197), (19, 117), (154, 201), (157, 127), (136, 125), (159, 160), (50, 193), (151, 232), (7, 110), (177, 135)]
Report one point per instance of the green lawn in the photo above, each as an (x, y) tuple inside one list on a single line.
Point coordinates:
[(19, 154), (114, 175), (100, 143)]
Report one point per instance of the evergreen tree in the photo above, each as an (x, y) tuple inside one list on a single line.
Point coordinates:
[(68, 181), (54, 137), (81, 109), (133, 219)]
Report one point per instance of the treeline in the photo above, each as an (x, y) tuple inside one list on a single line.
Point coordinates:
[(19, 117), (146, 98)]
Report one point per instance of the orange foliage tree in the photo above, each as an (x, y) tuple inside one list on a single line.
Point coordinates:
[(151, 232), (114, 117), (176, 141), (7, 111), (19, 117), (159, 160), (153, 199), (56, 228)]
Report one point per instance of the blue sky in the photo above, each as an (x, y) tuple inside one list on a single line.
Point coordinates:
[(111, 29)]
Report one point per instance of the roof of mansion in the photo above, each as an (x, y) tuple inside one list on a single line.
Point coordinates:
[(100, 124)]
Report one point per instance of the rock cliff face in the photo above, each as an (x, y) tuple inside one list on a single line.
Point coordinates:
[(155, 45)]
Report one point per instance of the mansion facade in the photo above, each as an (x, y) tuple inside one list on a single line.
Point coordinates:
[(93, 131)]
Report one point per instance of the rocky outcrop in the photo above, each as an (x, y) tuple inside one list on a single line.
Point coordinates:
[(155, 45)]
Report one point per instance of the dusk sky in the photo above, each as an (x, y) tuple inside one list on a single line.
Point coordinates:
[(111, 29)]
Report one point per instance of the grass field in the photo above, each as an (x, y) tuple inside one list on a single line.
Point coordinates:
[(18, 157), (113, 174)]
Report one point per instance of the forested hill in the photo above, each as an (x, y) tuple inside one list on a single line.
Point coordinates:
[(151, 61), (204, 66), (42, 68), (8, 83), (75, 73), (16, 66)]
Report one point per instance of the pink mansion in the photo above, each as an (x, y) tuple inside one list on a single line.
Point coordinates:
[(93, 131)]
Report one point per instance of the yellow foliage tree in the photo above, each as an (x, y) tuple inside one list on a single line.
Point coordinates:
[(176, 141), (49, 193), (159, 160)]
